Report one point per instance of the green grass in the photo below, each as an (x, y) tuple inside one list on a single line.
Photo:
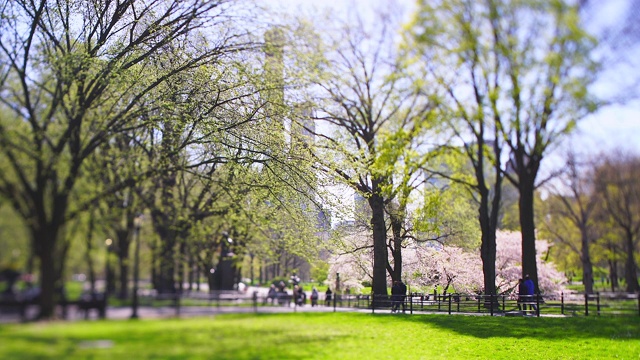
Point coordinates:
[(328, 336)]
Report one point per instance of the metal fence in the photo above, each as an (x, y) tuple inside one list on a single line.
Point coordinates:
[(598, 304), (613, 304)]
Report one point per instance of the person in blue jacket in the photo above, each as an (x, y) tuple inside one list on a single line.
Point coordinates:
[(528, 283)]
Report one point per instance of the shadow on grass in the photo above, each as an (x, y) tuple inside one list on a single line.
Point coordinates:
[(540, 328), (505, 327)]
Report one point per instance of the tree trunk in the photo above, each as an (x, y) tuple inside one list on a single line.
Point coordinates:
[(49, 275), (587, 268), (124, 241), (488, 219), (488, 255), (613, 274), (181, 266), (396, 229), (488, 240), (191, 274), (90, 269), (47, 286), (198, 272), (630, 266), (380, 255), (154, 265), (164, 277), (528, 228), (166, 281)]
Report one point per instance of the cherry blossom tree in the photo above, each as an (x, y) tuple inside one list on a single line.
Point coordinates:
[(452, 268), (508, 265)]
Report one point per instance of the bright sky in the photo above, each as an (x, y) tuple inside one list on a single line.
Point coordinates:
[(612, 127)]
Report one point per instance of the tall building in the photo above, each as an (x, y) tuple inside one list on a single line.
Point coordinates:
[(296, 132)]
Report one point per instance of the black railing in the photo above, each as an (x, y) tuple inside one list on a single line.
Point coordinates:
[(599, 304)]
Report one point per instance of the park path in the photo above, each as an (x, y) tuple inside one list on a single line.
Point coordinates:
[(149, 312), (167, 312)]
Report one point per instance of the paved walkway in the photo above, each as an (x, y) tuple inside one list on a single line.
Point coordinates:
[(148, 312)]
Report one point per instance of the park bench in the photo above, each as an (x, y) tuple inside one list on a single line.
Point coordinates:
[(86, 303), (11, 305)]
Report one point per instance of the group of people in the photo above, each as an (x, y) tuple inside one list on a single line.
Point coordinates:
[(279, 293), (526, 292), (526, 295)]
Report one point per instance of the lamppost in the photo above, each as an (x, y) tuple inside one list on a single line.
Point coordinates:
[(335, 293), (137, 224), (107, 268)]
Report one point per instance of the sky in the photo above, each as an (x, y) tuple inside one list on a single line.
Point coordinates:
[(613, 127)]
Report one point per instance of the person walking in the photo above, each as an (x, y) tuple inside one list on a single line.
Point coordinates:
[(327, 297), (396, 295), (403, 295), (314, 297)]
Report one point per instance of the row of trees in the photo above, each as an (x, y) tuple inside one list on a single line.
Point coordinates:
[(474, 95), (229, 137), (111, 111), (593, 217)]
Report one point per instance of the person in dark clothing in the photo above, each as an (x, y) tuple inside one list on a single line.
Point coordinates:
[(314, 297), (403, 295), (522, 294), (299, 295), (271, 295), (398, 294), (327, 297)]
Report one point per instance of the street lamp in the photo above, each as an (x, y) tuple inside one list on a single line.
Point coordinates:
[(107, 268), (137, 224)]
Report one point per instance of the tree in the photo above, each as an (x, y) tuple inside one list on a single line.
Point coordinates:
[(531, 75), (508, 265), (72, 76), (572, 207), (446, 267), (451, 33), (114, 213), (379, 117), (445, 216), (451, 266), (617, 182)]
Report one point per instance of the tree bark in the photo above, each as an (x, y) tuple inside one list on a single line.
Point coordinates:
[(630, 266), (166, 281), (587, 268), (380, 255), (528, 228), (124, 240), (396, 228), (488, 217), (613, 274), (49, 275)]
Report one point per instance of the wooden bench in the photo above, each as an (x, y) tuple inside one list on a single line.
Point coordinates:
[(88, 302)]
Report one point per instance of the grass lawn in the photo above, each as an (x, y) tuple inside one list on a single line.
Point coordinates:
[(327, 336)]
